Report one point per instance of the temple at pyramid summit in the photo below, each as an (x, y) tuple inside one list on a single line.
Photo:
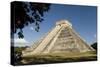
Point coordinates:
[(61, 39)]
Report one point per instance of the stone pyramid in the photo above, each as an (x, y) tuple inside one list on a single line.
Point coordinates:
[(61, 39)]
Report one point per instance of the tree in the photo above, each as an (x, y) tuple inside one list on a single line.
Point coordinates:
[(25, 13), (94, 45)]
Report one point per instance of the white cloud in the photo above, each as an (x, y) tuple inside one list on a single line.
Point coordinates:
[(20, 42), (31, 28)]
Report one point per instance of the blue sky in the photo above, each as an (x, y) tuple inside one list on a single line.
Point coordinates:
[(82, 18)]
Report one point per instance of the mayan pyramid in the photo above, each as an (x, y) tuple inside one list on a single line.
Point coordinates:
[(61, 39)]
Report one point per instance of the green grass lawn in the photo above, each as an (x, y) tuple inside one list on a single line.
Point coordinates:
[(59, 57)]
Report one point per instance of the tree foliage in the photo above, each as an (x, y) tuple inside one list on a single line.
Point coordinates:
[(94, 45), (25, 13)]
